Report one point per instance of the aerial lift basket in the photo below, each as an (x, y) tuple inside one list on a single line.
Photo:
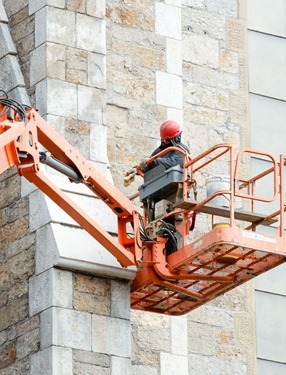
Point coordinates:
[(224, 257)]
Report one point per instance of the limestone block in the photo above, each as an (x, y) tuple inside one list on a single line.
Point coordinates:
[(120, 299), (13, 7), (27, 343), (202, 365), (174, 56), (57, 97), (238, 107), (229, 61), (176, 115), (168, 20), (56, 60), (11, 74), (173, 364), (93, 257), (139, 18), (50, 288), (96, 8), (236, 35), (90, 34), (98, 143), (194, 3), (98, 359), (20, 94), (46, 249), (177, 3), (212, 77), (52, 361), (143, 370), (89, 369), (91, 295), (90, 103), (206, 96), (55, 25), (168, 90), (199, 341), (224, 7), (35, 5), (6, 42), (201, 22), (37, 204), (58, 123), (120, 366), (38, 64), (68, 328), (243, 72), (111, 336), (96, 70), (153, 337), (207, 116), (245, 329), (3, 15), (201, 50), (179, 336)]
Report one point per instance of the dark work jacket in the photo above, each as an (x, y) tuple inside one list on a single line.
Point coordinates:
[(168, 160)]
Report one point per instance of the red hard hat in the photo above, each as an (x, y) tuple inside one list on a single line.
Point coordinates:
[(169, 129)]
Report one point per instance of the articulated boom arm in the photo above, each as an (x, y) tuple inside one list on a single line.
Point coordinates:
[(19, 145), (179, 268)]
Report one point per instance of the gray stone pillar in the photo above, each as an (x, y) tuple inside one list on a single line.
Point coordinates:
[(85, 323)]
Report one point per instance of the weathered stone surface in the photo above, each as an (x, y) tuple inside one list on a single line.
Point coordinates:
[(98, 359), (120, 366), (236, 35), (168, 90), (166, 16), (171, 363), (224, 7), (120, 299), (59, 325), (76, 5), (10, 190), (142, 18), (111, 335), (28, 343), (50, 288), (90, 34), (7, 354), (13, 312), (88, 369), (53, 360), (201, 50), (202, 22)]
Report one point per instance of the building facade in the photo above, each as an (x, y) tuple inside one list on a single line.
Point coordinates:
[(105, 75)]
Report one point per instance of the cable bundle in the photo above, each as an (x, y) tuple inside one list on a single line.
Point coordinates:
[(14, 105)]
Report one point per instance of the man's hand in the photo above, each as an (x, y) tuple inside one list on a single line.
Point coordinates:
[(143, 164)]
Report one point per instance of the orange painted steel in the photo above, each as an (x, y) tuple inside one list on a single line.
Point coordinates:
[(219, 260), (17, 138), (202, 268)]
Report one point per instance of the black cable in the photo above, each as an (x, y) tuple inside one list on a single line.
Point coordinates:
[(15, 106)]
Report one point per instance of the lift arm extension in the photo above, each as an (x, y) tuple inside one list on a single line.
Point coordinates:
[(19, 145)]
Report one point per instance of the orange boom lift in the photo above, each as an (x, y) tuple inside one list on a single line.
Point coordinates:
[(177, 269)]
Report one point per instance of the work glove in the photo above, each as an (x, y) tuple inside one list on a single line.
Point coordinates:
[(143, 164)]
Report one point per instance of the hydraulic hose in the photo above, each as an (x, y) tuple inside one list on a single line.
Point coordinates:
[(48, 159)]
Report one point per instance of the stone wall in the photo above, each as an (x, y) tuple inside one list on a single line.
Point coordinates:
[(19, 333)]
